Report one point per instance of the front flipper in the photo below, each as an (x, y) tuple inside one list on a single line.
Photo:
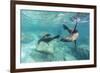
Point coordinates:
[(65, 27)]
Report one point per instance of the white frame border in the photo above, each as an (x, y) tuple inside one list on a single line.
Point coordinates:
[(53, 64)]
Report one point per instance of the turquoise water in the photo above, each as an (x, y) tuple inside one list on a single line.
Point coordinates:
[(35, 24)]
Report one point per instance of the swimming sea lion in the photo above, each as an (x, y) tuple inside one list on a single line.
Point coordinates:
[(47, 38), (74, 34)]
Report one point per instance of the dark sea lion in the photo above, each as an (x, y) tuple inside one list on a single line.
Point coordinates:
[(73, 35), (47, 38)]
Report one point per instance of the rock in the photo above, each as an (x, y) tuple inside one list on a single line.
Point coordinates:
[(69, 57), (84, 47), (83, 52), (46, 48)]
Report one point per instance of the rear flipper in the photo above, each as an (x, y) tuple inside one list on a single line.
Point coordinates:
[(75, 42), (65, 40)]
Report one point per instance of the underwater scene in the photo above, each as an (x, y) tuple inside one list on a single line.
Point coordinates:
[(48, 36)]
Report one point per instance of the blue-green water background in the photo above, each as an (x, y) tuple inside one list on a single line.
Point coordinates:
[(35, 24)]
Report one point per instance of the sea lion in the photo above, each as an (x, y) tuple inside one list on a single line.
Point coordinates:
[(73, 35), (47, 38)]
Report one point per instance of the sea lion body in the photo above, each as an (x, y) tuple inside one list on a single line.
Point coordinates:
[(72, 37)]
